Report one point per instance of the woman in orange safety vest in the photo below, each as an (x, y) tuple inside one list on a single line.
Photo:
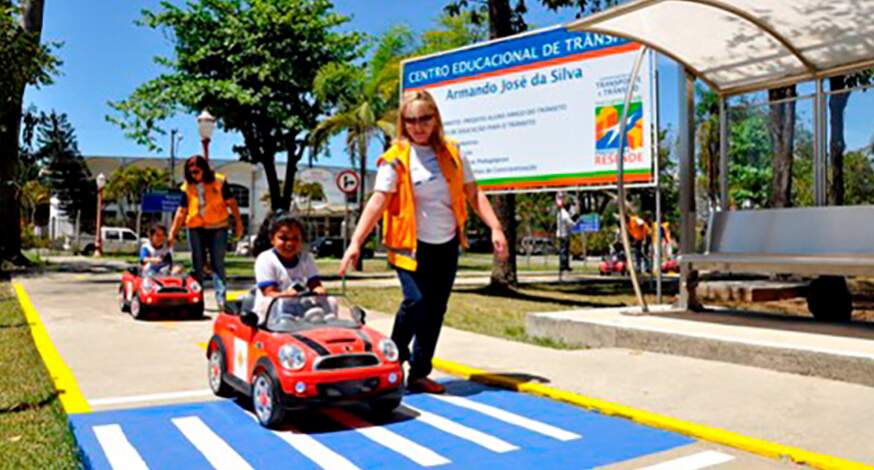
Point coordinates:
[(204, 210), (422, 188)]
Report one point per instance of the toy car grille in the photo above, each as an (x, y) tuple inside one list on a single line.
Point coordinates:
[(347, 388), (346, 361), (173, 290)]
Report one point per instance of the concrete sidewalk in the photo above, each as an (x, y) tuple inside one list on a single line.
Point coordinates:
[(815, 414)]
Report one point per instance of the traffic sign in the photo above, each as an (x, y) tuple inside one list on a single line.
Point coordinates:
[(348, 181), (588, 223), (161, 201)]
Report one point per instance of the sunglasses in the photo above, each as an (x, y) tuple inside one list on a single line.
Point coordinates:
[(421, 120), (195, 171)]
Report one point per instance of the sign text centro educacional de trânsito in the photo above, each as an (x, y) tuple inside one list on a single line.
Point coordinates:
[(541, 110)]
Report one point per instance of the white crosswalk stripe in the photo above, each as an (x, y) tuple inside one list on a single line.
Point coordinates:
[(477, 437), (409, 449), (511, 418), (118, 450), (312, 449), (692, 462), (216, 450)]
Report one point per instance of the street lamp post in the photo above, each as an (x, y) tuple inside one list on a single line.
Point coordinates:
[(175, 138), (205, 124), (98, 237)]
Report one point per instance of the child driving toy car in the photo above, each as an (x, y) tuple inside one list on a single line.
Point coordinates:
[(155, 255), (278, 270)]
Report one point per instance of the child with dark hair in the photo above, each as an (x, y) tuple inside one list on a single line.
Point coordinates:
[(278, 270), (155, 254)]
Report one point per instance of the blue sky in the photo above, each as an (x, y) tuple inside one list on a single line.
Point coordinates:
[(106, 56)]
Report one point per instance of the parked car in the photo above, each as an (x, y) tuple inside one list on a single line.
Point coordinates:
[(537, 245), (115, 240), (332, 247), (308, 350), (177, 295)]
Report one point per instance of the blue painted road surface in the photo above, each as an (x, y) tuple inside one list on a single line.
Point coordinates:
[(471, 426)]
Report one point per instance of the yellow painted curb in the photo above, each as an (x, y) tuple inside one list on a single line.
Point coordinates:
[(68, 390), (698, 431)]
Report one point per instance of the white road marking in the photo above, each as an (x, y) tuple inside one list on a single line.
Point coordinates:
[(692, 462), (119, 451), (512, 418), (150, 397), (312, 449), (477, 437), (216, 450), (409, 449)]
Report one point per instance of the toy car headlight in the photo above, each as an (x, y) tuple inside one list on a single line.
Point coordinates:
[(149, 285), (389, 349), (195, 287), (292, 357)]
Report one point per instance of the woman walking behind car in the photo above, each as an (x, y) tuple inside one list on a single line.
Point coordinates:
[(421, 190), (204, 210)]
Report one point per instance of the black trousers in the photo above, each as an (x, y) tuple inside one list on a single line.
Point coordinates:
[(426, 294)]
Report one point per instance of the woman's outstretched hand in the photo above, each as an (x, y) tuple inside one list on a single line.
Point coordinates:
[(500, 244), (350, 258)]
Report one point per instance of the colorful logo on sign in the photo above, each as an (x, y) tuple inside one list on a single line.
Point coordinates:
[(607, 127)]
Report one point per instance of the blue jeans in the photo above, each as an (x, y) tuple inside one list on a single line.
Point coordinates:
[(426, 294), (215, 241)]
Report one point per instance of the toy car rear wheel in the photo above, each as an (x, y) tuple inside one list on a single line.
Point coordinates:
[(217, 368), (196, 311), (122, 301), (268, 400), (384, 406), (137, 309)]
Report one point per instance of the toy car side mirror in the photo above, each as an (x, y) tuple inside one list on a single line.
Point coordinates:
[(358, 314), (250, 319)]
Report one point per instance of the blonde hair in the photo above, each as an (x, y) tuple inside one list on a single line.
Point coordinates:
[(437, 139)]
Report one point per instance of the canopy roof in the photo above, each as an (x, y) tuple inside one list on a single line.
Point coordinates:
[(739, 46)]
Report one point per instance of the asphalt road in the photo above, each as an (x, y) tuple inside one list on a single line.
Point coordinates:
[(146, 384)]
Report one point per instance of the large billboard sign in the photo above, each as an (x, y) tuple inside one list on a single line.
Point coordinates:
[(541, 110)]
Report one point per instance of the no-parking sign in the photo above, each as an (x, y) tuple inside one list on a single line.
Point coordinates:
[(348, 181)]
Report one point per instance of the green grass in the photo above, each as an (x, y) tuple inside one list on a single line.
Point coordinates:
[(33, 427), (484, 310)]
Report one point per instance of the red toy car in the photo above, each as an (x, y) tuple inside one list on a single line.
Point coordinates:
[(309, 350), (670, 266), (181, 294)]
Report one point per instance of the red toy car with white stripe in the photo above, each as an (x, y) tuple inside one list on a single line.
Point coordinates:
[(308, 350), (179, 295)]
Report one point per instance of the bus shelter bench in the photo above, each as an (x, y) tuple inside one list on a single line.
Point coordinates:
[(826, 243)]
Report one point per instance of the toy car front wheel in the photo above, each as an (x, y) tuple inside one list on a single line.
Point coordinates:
[(217, 370), (196, 311), (122, 301), (267, 399), (385, 406), (137, 309)]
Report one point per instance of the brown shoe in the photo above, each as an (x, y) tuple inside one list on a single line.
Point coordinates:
[(425, 385)]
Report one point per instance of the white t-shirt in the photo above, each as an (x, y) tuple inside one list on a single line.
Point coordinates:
[(271, 270), (435, 222), (564, 223)]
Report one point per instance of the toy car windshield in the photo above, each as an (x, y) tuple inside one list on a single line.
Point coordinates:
[(311, 311)]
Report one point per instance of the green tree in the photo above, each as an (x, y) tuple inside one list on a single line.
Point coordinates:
[(782, 128), (127, 185), (65, 171), (837, 103), (24, 61), (253, 65), (33, 195)]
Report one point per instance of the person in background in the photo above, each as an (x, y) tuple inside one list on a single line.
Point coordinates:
[(564, 222), (423, 185), (204, 210), (638, 232)]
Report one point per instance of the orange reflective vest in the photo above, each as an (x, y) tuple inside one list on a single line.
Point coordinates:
[(399, 217), (210, 211), (637, 228)]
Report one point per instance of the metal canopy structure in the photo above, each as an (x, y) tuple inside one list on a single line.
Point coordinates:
[(739, 46), (743, 46)]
